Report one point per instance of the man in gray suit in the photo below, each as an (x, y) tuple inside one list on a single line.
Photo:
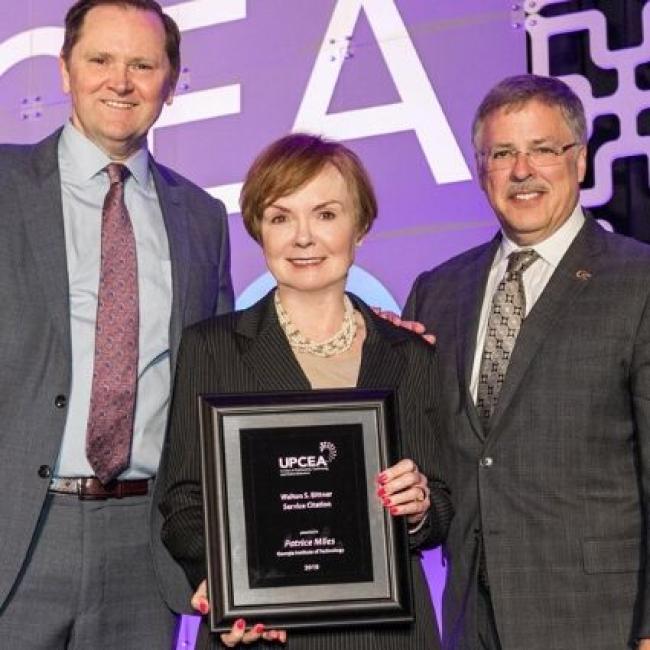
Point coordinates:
[(545, 364), (81, 563)]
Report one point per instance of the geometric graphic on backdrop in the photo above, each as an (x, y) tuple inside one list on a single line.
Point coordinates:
[(626, 102)]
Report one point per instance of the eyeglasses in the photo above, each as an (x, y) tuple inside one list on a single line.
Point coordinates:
[(541, 156)]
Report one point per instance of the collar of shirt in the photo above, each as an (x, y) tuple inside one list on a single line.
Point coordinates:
[(551, 249), (81, 159), (535, 279)]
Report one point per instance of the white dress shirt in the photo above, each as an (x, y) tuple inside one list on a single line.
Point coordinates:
[(535, 277), (84, 184)]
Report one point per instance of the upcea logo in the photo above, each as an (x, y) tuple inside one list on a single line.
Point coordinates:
[(308, 463), (302, 462)]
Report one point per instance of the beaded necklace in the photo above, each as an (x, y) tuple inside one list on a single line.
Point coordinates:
[(336, 344)]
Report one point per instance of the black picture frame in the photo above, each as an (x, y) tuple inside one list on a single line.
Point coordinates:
[(300, 540)]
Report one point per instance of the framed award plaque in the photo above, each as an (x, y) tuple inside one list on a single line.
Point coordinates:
[(295, 534)]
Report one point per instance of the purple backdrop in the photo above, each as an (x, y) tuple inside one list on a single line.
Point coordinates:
[(396, 80)]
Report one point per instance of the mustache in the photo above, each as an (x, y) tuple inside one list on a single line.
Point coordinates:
[(524, 187)]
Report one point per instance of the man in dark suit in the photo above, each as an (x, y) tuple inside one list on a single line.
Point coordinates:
[(545, 364), (96, 284)]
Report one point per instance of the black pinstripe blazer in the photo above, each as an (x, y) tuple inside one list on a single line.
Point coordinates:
[(247, 351)]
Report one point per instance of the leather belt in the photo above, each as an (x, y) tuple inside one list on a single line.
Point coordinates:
[(92, 488)]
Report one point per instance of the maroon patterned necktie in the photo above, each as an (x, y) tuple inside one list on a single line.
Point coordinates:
[(112, 401)]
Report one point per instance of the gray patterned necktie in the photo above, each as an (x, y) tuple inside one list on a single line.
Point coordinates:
[(506, 314)]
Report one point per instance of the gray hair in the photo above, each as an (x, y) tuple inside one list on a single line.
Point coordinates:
[(514, 92)]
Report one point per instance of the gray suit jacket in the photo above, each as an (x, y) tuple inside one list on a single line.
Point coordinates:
[(247, 351), (35, 353), (563, 506)]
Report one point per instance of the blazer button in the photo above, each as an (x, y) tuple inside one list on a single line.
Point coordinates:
[(486, 461), (60, 401), (44, 471)]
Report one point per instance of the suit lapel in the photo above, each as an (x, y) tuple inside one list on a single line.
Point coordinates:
[(269, 356), (267, 352), (43, 217), (570, 278), (471, 290), (381, 365), (172, 206)]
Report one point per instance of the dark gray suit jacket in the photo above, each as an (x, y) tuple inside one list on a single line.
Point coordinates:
[(248, 352), (35, 353), (563, 507)]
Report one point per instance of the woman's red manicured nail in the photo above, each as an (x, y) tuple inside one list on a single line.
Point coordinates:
[(394, 510), (240, 623), (259, 628), (382, 478), (381, 492), (203, 607)]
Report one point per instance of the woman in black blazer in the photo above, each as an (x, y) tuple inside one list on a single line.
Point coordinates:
[(308, 202)]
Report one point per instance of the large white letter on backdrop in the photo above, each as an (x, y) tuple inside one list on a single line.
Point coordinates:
[(419, 109)]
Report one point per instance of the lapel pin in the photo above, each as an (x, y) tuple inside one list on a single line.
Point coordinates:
[(583, 275)]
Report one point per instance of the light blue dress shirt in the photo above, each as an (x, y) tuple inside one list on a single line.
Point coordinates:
[(84, 184)]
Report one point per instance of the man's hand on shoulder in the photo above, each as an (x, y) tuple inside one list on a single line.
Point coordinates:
[(411, 325)]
